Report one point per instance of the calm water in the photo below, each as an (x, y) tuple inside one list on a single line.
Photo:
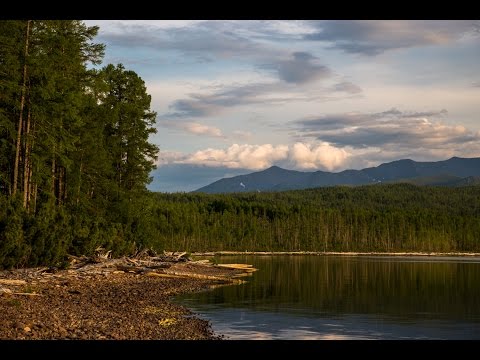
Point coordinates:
[(326, 297)]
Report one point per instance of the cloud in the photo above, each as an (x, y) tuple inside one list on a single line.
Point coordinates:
[(476, 84), (193, 128), (256, 157), (192, 108), (301, 68), (373, 37), (209, 40), (253, 157), (346, 87), (423, 114), (212, 104), (392, 129), (294, 76), (200, 41), (168, 157), (308, 156), (338, 141)]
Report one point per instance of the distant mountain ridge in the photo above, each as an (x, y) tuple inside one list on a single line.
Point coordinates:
[(452, 172)]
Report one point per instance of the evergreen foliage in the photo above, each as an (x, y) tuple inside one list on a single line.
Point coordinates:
[(74, 152), (383, 218)]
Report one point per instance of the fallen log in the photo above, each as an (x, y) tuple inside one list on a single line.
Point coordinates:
[(244, 267), (12, 282), (160, 266), (128, 268), (26, 294)]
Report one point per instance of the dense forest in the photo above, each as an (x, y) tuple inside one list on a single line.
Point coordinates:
[(75, 159), (394, 217), (74, 150)]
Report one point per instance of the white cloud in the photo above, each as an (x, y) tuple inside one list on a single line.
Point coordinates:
[(324, 155), (193, 128), (200, 129), (389, 129), (168, 157), (257, 157), (253, 157)]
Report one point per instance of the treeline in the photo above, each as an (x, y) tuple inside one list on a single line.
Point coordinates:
[(74, 150), (384, 218)]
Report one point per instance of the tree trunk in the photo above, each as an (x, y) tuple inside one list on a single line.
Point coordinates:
[(20, 119), (79, 179), (34, 192), (53, 174), (26, 163), (61, 185), (32, 185)]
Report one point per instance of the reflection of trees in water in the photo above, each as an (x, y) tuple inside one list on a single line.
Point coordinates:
[(357, 285)]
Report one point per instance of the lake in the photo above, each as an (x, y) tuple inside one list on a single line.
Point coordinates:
[(346, 297)]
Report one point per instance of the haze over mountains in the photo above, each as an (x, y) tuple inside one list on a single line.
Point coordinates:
[(452, 172)]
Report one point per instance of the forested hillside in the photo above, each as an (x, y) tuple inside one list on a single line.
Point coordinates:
[(396, 217), (74, 150)]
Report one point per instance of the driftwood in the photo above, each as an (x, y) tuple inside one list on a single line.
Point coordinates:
[(26, 294), (129, 268), (235, 266), (12, 282), (150, 264), (144, 263), (5, 291), (244, 267), (102, 253), (160, 266), (204, 262), (199, 276), (182, 256)]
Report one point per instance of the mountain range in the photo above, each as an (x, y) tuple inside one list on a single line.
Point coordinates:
[(452, 172)]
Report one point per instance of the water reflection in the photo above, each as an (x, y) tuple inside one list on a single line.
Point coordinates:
[(317, 297)]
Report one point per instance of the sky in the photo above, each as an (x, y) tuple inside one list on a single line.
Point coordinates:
[(234, 97)]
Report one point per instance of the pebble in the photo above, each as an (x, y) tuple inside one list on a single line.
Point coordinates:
[(19, 325), (109, 309)]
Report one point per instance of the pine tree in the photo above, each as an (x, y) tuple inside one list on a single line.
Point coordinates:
[(130, 123), (57, 92), (12, 62)]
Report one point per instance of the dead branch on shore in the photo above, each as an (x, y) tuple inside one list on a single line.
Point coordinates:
[(143, 263), (12, 282), (26, 294)]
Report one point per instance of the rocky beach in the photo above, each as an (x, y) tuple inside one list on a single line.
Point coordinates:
[(109, 299)]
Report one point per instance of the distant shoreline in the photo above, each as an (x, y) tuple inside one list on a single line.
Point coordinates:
[(336, 253)]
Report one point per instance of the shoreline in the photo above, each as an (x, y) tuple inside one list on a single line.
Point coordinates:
[(336, 253), (100, 302), (96, 301)]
